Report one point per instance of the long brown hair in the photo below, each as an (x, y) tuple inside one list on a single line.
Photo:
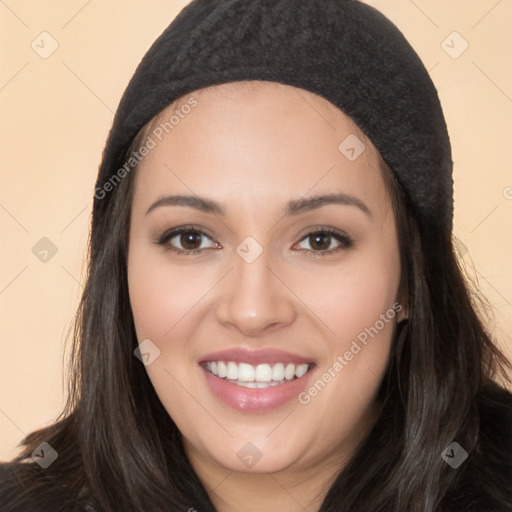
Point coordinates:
[(118, 446)]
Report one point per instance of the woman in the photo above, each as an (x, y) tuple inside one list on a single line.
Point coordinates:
[(274, 317)]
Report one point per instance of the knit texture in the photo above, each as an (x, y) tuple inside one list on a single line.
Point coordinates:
[(343, 50)]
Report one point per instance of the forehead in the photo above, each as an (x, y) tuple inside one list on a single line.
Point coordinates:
[(258, 140)]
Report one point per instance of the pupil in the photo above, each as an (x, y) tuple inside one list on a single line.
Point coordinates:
[(189, 238), (323, 246)]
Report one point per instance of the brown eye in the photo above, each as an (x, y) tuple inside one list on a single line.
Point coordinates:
[(321, 241), (190, 239), (185, 241)]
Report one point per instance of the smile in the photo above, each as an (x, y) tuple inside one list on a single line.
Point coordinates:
[(257, 376)]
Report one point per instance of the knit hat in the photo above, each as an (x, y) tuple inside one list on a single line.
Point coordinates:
[(343, 50)]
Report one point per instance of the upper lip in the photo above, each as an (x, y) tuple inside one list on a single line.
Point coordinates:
[(255, 357)]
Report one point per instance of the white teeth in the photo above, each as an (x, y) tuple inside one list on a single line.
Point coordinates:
[(232, 372), (259, 376), (263, 373), (289, 372), (245, 372), (221, 367), (301, 370), (257, 384), (278, 371)]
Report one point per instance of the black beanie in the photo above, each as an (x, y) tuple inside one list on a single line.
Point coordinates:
[(343, 50)]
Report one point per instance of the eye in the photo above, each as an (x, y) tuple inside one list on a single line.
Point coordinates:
[(321, 241), (188, 237), (189, 240)]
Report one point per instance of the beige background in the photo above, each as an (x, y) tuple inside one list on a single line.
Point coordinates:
[(56, 113)]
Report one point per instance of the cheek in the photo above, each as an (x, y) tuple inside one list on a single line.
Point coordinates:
[(358, 304), (162, 301), (351, 298), (160, 295)]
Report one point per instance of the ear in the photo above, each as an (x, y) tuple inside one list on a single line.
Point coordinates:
[(401, 307)]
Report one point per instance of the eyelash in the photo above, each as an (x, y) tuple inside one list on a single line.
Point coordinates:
[(345, 241)]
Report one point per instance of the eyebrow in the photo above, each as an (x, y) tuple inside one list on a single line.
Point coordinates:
[(294, 207)]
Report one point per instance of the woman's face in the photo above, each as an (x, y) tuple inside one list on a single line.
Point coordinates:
[(295, 266)]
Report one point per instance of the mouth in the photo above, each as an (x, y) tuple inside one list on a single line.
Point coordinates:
[(259, 376), (256, 381)]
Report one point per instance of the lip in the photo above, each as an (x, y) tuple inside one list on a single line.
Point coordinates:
[(255, 357), (255, 399)]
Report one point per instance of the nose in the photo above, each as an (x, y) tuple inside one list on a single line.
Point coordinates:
[(255, 299)]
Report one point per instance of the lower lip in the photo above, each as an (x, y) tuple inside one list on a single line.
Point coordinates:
[(255, 399)]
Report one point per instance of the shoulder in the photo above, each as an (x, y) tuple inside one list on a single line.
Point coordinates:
[(24, 487), (485, 482), (14, 496)]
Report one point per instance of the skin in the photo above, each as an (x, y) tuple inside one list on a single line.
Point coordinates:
[(253, 147)]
